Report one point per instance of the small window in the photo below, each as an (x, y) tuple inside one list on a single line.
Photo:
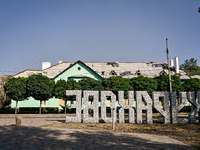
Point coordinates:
[(79, 68), (163, 72), (113, 73), (102, 73), (138, 73)]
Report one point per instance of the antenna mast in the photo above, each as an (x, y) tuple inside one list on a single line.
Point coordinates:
[(170, 83)]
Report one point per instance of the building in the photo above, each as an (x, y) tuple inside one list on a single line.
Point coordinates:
[(97, 70), (3, 79)]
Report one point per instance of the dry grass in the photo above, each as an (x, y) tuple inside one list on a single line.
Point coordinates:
[(186, 133)]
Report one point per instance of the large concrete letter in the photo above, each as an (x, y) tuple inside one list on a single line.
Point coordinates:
[(95, 118), (104, 94), (77, 93), (191, 99), (165, 111), (129, 106), (175, 109), (139, 107)]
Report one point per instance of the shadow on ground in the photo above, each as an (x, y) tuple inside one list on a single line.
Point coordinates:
[(39, 138)]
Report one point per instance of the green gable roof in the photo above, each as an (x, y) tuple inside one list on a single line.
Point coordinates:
[(77, 71)]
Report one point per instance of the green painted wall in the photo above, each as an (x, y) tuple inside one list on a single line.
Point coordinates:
[(73, 71)]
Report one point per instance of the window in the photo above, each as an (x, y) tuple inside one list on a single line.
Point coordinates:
[(138, 73), (163, 72), (113, 73), (102, 73), (79, 68)]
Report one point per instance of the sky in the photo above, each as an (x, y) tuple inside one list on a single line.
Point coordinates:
[(36, 31)]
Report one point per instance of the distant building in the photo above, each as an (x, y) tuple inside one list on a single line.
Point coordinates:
[(3, 79), (97, 70)]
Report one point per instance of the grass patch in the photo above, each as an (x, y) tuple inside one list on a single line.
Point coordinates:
[(186, 133)]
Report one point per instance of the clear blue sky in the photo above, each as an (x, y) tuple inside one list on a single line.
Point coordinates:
[(34, 31)]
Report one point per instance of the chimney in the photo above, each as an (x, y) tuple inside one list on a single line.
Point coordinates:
[(172, 62), (60, 62), (176, 64), (46, 65)]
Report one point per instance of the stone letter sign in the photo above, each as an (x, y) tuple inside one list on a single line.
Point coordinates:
[(169, 111)]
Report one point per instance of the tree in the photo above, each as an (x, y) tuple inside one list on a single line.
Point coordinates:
[(142, 83), (117, 83), (40, 88), (191, 66), (73, 85), (15, 88), (163, 83), (199, 9), (90, 84), (192, 84), (59, 91)]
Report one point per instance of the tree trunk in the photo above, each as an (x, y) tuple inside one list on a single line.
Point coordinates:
[(65, 106), (16, 107), (40, 106)]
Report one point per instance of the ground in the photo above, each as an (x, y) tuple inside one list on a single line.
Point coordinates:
[(186, 133)]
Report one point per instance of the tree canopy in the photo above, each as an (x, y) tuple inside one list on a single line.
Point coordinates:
[(142, 83), (163, 83), (15, 88), (40, 87), (90, 84), (191, 66), (192, 84), (117, 83), (60, 88)]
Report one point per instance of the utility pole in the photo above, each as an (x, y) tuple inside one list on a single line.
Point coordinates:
[(170, 83)]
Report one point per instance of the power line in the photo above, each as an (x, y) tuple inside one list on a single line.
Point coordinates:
[(18, 62)]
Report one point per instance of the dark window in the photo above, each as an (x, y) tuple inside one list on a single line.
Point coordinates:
[(113, 73), (79, 68), (138, 73)]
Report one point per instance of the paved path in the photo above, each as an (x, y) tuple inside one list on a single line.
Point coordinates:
[(32, 137)]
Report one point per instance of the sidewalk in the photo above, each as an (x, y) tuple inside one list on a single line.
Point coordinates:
[(30, 136)]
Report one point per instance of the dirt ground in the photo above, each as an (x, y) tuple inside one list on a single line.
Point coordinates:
[(186, 133)]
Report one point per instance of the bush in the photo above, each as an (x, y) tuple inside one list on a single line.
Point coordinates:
[(34, 110), (6, 110)]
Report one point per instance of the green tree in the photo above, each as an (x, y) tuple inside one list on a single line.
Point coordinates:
[(142, 83), (191, 66), (117, 83), (15, 88), (59, 91), (163, 83), (73, 85), (60, 88), (192, 84), (40, 88), (90, 84)]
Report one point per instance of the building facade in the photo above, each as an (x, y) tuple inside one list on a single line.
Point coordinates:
[(95, 70)]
